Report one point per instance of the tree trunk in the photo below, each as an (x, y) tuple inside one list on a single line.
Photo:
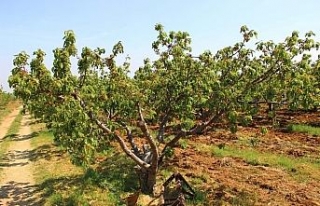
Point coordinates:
[(147, 179)]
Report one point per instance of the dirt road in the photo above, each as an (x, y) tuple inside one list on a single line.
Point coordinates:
[(7, 121), (16, 179)]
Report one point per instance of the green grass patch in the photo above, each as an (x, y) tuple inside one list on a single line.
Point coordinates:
[(57, 178), (62, 183), (301, 168), (304, 129)]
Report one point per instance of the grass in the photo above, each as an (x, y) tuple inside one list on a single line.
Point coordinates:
[(304, 129), (56, 176), (61, 183), (107, 182)]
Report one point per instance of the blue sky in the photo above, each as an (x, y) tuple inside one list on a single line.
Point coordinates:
[(212, 24)]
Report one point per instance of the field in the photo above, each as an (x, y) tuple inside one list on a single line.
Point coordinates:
[(279, 167)]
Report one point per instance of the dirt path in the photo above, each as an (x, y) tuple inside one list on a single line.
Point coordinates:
[(7, 121), (17, 183)]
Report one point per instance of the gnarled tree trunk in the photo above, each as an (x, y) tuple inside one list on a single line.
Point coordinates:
[(147, 179)]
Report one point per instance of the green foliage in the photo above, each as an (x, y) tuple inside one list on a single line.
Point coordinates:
[(169, 153)]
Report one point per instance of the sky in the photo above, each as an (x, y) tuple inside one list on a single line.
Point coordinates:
[(212, 24)]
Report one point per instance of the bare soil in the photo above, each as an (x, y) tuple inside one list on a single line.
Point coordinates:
[(229, 178), (17, 183)]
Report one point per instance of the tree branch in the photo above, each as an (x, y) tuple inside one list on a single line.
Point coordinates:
[(134, 147), (162, 127), (199, 128), (144, 128), (102, 126), (171, 144), (266, 75)]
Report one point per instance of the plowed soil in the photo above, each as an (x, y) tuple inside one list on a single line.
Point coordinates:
[(232, 180)]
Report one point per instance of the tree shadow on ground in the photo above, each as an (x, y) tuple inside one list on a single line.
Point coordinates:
[(115, 175), (60, 184), (17, 137), (47, 152), (20, 194), (9, 137), (117, 172), (43, 152), (13, 193), (6, 164), (32, 122)]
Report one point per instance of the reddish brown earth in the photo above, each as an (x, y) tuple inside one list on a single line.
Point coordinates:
[(225, 179)]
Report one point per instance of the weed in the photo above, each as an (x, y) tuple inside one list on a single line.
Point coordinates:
[(197, 181), (263, 131), (73, 200), (254, 141), (62, 183), (165, 172), (221, 145), (56, 199), (183, 143)]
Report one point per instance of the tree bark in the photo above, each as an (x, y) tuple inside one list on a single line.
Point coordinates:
[(147, 179)]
